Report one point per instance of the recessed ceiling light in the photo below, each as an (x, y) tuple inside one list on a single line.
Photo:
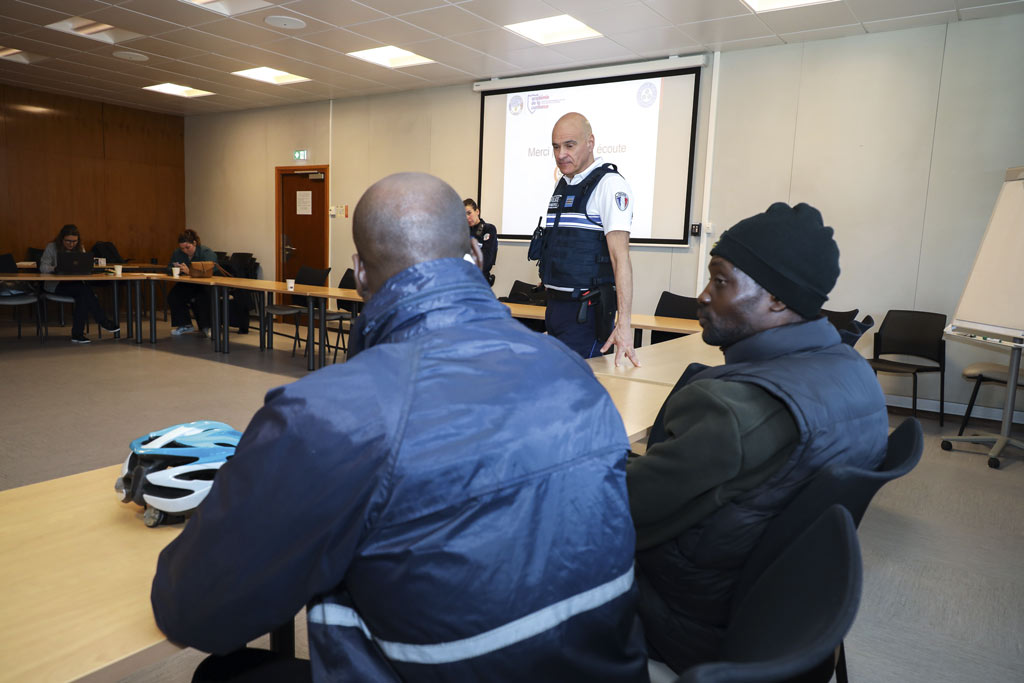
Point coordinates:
[(390, 56), (179, 90), (94, 30), (131, 56), (278, 21), (560, 29), (228, 7), (12, 54), (268, 75), (33, 109), (772, 5)]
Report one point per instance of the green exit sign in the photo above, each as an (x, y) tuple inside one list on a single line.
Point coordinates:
[(300, 154)]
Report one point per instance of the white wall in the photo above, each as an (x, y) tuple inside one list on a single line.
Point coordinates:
[(900, 138)]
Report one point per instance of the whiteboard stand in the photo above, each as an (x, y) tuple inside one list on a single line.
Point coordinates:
[(1003, 439)]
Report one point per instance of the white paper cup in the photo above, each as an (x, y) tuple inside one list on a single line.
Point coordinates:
[(291, 285), (175, 271), (117, 271)]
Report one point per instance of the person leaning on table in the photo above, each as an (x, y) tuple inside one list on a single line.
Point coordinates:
[(185, 294), (68, 240)]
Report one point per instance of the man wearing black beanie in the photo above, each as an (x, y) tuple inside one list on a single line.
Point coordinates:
[(734, 444)]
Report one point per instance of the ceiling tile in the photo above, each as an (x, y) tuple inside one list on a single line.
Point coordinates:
[(220, 62), (181, 13), (394, 7), (29, 13), (574, 7), (808, 18), (242, 32), (71, 7), (49, 35), (164, 48), (494, 41), (622, 19), (689, 12), (16, 27), (131, 21), (662, 41), (461, 57), (258, 18), (823, 33), (727, 30), (593, 49), (439, 73), (1000, 10), (392, 32), (535, 58), (876, 10), (747, 44), (502, 12), (449, 20), (342, 40), (336, 12), (207, 42), (910, 22), (38, 47)]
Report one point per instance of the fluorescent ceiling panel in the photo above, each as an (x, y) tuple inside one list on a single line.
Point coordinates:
[(772, 5), (268, 75), (179, 90), (560, 29), (228, 7), (390, 56), (94, 30)]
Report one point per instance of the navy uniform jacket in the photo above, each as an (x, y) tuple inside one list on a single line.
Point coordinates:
[(442, 518)]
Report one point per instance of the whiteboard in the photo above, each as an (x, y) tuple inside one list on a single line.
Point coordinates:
[(991, 303)]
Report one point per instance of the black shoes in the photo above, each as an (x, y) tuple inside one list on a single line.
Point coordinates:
[(80, 339), (110, 327)]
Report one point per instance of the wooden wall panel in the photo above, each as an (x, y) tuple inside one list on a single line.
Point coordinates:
[(117, 173)]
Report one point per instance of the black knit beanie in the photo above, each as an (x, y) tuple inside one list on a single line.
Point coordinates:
[(787, 250)]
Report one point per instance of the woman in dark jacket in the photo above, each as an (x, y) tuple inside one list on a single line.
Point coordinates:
[(68, 240), (185, 297)]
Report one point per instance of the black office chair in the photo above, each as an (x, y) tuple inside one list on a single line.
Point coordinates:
[(305, 276), (18, 294), (846, 485), (673, 306), (796, 612), (850, 329), (525, 293), (344, 313), (913, 333)]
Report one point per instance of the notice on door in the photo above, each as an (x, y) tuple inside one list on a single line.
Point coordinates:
[(304, 203)]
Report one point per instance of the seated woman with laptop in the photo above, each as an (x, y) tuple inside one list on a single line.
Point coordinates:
[(185, 295), (66, 255)]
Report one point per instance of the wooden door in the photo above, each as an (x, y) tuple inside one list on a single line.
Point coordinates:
[(302, 227)]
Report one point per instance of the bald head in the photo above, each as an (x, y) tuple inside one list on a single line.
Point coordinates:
[(405, 219), (572, 142)]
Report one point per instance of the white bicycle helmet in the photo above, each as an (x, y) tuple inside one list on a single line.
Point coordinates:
[(170, 471)]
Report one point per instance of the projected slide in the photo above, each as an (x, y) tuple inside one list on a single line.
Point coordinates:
[(644, 124), (624, 117)]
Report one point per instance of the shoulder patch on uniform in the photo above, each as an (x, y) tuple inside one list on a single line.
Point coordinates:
[(487, 236), (621, 200)]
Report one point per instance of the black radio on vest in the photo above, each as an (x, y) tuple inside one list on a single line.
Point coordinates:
[(571, 246)]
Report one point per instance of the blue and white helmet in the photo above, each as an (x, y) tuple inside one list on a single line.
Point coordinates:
[(170, 471)]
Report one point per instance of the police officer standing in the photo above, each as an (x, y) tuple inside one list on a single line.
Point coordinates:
[(485, 234), (583, 247)]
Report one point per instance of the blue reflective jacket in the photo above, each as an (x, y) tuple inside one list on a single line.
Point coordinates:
[(450, 504)]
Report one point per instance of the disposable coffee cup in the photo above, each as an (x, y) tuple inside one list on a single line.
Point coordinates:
[(117, 271), (175, 271), (291, 285)]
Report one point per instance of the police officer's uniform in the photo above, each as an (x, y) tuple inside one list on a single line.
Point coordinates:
[(574, 261), (486, 236)]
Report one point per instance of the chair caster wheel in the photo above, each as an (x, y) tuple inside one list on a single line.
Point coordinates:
[(946, 446), (993, 463)]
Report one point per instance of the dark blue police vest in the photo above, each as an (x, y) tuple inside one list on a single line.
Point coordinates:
[(575, 252)]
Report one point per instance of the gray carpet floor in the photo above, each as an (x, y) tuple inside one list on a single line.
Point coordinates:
[(943, 547)]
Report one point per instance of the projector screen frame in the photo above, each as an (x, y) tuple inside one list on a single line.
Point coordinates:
[(695, 71)]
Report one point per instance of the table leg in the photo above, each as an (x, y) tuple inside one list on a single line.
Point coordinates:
[(282, 639), (137, 286), (261, 311), (129, 317), (117, 312), (215, 312), (226, 319), (310, 363), (152, 311), (322, 306), (638, 337)]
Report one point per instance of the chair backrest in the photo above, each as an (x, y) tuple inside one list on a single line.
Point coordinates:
[(797, 611), (8, 264), (841, 319), (34, 254), (521, 293), (241, 264), (309, 276), (846, 485), (348, 281), (912, 333), (673, 306)]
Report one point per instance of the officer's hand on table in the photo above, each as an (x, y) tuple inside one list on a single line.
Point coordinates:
[(622, 337)]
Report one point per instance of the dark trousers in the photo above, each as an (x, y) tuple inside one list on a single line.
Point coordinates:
[(184, 296), (252, 666), (560, 319), (86, 303)]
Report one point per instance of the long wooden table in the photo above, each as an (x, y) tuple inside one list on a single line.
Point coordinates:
[(75, 578), (132, 280), (660, 363), (638, 321)]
